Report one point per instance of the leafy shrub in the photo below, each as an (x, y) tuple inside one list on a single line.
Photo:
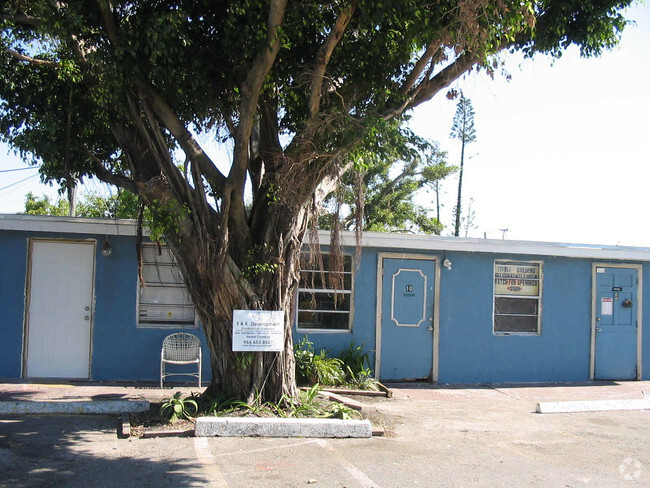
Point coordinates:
[(356, 363), (312, 367), (355, 358)]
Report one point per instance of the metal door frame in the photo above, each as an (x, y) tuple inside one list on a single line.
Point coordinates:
[(28, 296), (436, 306), (639, 315)]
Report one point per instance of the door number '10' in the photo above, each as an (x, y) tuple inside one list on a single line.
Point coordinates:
[(409, 288)]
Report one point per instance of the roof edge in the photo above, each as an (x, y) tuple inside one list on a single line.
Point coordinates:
[(407, 242)]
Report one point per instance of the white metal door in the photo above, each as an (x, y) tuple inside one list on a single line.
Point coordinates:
[(60, 309)]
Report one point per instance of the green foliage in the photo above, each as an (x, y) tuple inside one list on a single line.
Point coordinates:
[(215, 404), (164, 218), (177, 408), (122, 205), (252, 266), (309, 404), (356, 364), (355, 358), (313, 367), (392, 174), (42, 206)]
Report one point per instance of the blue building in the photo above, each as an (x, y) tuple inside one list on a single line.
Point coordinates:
[(445, 309)]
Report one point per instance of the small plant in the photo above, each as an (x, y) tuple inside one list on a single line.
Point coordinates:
[(340, 411), (356, 361), (215, 405), (312, 367), (176, 408)]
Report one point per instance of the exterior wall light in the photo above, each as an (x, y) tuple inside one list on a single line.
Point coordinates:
[(447, 264), (107, 250)]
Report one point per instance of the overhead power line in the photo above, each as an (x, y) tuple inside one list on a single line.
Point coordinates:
[(30, 177), (18, 169)]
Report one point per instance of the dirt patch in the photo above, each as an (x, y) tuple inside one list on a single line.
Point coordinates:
[(152, 423)]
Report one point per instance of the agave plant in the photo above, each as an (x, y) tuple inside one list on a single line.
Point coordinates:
[(176, 408)]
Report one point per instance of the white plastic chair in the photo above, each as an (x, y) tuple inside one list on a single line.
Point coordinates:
[(180, 348)]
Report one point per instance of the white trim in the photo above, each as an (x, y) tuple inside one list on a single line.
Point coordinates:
[(392, 299), (424, 243), (436, 307), (639, 315), (421, 243), (70, 225)]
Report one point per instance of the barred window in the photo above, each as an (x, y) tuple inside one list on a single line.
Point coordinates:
[(320, 305), (163, 300), (517, 297)]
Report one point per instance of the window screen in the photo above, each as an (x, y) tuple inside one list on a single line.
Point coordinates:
[(163, 300), (320, 305)]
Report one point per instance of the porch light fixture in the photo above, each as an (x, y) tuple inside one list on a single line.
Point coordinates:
[(107, 250), (447, 264)]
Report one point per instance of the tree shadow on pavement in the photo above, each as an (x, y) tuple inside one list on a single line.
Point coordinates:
[(84, 451)]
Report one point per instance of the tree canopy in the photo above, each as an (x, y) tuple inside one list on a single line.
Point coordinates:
[(120, 89)]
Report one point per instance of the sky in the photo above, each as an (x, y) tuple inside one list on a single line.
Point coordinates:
[(561, 153)]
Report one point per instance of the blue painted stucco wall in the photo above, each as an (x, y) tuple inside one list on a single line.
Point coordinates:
[(119, 350), (468, 351)]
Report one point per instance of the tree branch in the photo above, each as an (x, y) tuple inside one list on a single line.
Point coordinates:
[(233, 198), (21, 19), (251, 88), (109, 20), (192, 149), (429, 87), (324, 55), (105, 175), (417, 70), (35, 61)]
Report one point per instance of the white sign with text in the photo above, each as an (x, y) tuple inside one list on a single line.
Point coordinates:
[(258, 330)]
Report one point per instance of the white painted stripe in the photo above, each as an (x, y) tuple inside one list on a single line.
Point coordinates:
[(275, 447), (355, 472), (209, 464), (593, 406)]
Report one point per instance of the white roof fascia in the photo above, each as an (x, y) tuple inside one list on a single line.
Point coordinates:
[(412, 242), (69, 225), (497, 246)]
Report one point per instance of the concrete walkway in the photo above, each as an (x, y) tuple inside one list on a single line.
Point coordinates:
[(63, 391)]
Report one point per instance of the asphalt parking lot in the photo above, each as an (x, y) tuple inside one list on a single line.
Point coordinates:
[(436, 437)]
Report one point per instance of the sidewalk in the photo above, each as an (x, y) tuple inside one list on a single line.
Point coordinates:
[(65, 391)]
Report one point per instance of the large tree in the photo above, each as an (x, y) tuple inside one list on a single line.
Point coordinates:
[(119, 89)]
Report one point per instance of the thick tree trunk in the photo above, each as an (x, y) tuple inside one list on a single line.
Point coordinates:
[(265, 279)]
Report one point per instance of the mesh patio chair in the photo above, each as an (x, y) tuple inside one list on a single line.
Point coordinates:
[(180, 349)]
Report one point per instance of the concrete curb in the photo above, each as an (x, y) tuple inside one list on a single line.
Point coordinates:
[(593, 406), (74, 407), (271, 427)]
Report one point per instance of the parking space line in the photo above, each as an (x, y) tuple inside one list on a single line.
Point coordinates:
[(355, 472), (263, 449), (209, 463)]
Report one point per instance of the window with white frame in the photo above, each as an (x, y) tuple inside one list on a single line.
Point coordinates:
[(517, 297), (163, 299), (322, 303)]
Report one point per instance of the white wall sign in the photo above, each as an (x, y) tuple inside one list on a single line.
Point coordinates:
[(607, 306), (258, 330)]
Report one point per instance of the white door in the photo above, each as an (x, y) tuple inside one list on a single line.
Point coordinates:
[(60, 309)]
